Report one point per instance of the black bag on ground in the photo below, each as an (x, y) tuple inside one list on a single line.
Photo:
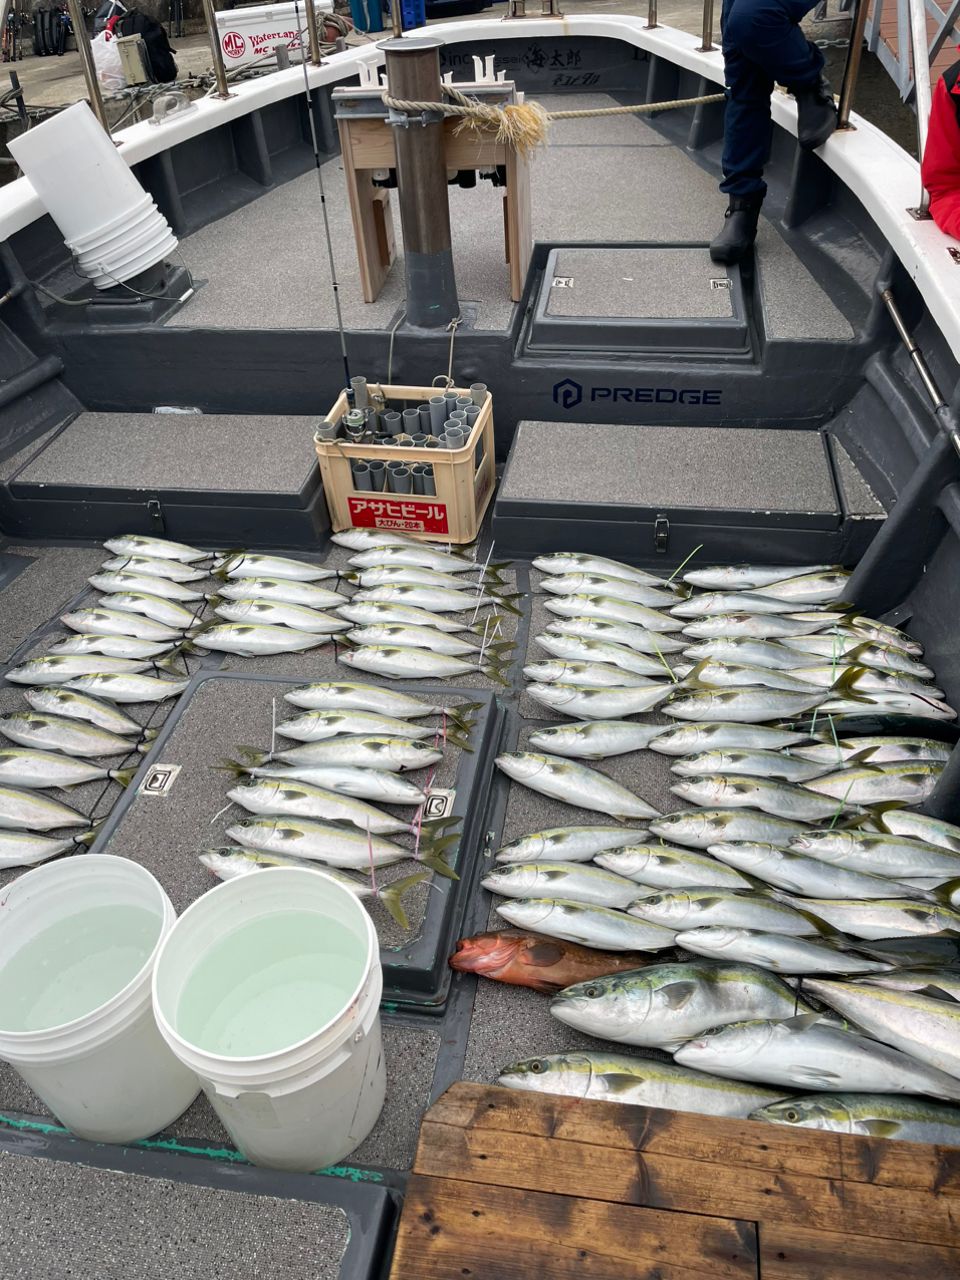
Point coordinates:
[(159, 54)]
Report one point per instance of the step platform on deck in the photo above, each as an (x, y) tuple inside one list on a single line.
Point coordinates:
[(220, 478), (111, 1212), (646, 493), (648, 298)]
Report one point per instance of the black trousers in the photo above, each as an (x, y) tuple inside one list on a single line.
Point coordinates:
[(762, 45)]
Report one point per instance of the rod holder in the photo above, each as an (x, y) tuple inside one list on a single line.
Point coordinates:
[(313, 34), (86, 61), (651, 14), (707, 46), (851, 69), (219, 70)]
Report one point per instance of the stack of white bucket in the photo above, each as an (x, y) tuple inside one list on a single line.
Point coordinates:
[(95, 989), (110, 224)]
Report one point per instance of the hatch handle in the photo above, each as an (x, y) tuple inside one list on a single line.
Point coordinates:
[(661, 533), (155, 513)]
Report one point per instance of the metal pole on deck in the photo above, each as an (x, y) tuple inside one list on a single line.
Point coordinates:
[(707, 44), (86, 61), (921, 86), (396, 19), (851, 70), (219, 70), (413, 75), (313, 35), (651, 14)]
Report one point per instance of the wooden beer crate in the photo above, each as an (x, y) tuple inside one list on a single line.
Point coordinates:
[(464, 485)]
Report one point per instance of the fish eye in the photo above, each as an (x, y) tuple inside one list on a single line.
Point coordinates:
[(654, 900), (592, 992), (537, 1066), (791, 1114)]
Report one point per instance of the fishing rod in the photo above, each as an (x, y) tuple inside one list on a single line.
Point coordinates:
[(326, 217)]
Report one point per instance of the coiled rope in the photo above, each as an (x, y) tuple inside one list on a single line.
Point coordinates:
[(524, 125)]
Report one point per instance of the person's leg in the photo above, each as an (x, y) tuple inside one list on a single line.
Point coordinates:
[(746, 137)]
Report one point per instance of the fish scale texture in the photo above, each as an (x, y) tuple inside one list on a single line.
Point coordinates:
[(72, 1220)]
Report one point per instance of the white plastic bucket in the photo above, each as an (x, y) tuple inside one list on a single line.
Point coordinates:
[(110, 242), (115, 225), (105, 1073), (220, 990)]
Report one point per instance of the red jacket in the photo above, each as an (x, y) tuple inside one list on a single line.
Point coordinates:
[(941, 157)]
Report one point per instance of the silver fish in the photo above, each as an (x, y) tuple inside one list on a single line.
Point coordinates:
[(405, 663), (662, 867), (111, 646), (20, 767), (556, 562), (25, 849), (23, 810), (919, 826), (597, 675), (883, 917), (594, 739), (782, 799), (896, 857), (247, 564), (574, 784), (346, 695), (747, 577), (877, 784), (701, 828), (739, 675), (722, 602), (593, 702), (591, 926), (123, 581), (768, 626), (925, 982), (286, 797), (137, 544), (688, 739), (747, 763), (435, 599), (128, 688), (171, 570), (58, 701), (363, 783), (746, 650), (640, 1082), (59, 668), (881, 633), (875, 751), (569, 584), (775, 952), (732, 908), (583, 649), (589, 604), (280, 614), (571, 881), (389, 634), (748, 705), (96, 621), (317, 726), (567, 844), (249, 640), (419, 554), (927, 1029), (856, 649), (282, 591), (318, 841), (633, 637), (368, 751), (868, 1115), (807, 1053), (808, 877), (385, 575), (168, 613), (365, 612), (72, 737), (820, 587), (665, 1005), (867, 680)]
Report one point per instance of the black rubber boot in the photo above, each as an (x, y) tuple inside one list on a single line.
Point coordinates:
[(816, 114), (739, 229)]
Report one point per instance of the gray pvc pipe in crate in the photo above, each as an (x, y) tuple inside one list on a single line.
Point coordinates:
[(361, 476), (378, 474), (401, 481)]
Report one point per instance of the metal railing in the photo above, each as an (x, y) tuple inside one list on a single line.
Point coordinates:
[(899, 62)]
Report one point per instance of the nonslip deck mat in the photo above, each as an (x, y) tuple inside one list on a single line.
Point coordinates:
[(232, 453), (52, 579)]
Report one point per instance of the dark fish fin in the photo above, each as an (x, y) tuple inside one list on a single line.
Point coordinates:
[(800, 1022), (505, 601), (677, 994), (880, 1128), (393, 893), (234, 767), (437, 863), (937, 993), (123, 777)]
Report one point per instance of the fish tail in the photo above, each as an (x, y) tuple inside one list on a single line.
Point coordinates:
[(349, 575), (458, 741), (846, 686), (148, 735), (435, 843), (461, 716), (434, 826), (496, 675), (392, 895), (169, 664), (123, 777), (438, 863), (214, 598), (505, 601), (500, 564), (220, 574), (88, 837), (253, 755), (235, 767)]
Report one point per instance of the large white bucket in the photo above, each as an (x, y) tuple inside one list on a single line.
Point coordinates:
[(83, 1036), (87, 187), (268, 987)]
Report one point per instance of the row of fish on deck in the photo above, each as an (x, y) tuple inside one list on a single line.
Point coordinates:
[(804, 916)]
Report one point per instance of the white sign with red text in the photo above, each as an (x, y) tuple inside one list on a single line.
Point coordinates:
[(250, 34)]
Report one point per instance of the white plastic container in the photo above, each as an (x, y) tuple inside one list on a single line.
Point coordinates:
[(250, 34), (89, 191), (107, 1073), (225, 982)]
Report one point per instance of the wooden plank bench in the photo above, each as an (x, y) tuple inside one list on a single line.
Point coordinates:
[(522, 1186)]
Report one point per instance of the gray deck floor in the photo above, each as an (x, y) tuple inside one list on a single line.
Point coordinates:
[(597, 180)]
